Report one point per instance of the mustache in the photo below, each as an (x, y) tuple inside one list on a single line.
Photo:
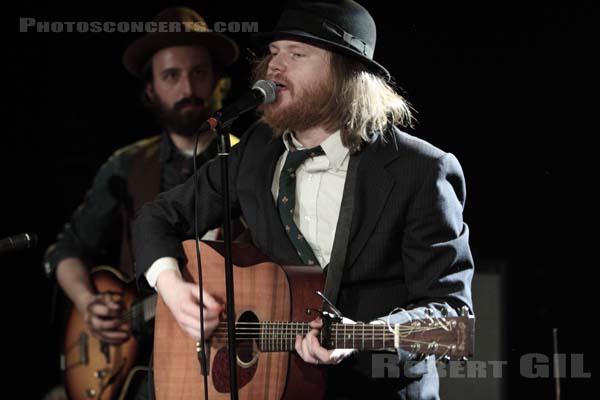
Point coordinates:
[(281, 79), (189, 101)]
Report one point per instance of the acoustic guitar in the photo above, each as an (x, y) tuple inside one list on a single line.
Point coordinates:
[(271, 303), (93, 369)]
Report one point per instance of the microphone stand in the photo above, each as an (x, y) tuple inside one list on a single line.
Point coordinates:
[(262, 92), (224, 146)]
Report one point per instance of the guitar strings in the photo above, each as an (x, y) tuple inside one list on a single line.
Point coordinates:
[(338, 330), (252, 333), (246, 343)]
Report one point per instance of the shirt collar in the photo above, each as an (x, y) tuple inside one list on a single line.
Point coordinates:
[(169, 151), (167, 147), (335, 151)]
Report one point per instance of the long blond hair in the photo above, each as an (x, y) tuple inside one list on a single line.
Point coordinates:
[(361, 102)]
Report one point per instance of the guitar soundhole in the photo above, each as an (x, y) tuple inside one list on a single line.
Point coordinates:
[(246, 351), (247, 337)]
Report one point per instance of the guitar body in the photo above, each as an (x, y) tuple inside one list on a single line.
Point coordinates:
[(94, 369), (264, 291)]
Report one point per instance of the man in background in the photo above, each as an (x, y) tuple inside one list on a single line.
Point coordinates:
[(183, 82)]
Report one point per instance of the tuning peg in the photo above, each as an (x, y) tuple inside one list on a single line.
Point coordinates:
[(445, 359), (463, 360)]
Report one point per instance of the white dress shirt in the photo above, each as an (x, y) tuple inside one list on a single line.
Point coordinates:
[(320, 181), (319, 189)]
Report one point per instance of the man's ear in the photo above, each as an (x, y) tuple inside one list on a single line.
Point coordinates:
[(149, 90)]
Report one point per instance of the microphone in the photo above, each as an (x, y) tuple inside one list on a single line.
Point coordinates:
[(263, 92), (19, 242)]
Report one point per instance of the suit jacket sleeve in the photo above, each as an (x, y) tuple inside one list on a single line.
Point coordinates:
[(162, 224), (436, 254)]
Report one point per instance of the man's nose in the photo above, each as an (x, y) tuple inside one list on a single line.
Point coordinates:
[(186, 86), (277, 64)]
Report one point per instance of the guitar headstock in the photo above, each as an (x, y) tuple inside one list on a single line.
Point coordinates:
[(448, 337)]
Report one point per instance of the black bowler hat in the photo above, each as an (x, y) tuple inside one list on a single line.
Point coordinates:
[(343, 26), (221, 47)]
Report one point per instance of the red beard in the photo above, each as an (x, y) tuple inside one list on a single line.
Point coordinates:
[(306, 109)]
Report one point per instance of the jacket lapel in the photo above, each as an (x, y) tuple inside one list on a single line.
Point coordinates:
[(275, 236), (373, 187)]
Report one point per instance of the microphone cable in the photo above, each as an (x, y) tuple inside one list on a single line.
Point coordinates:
[(200, 346)]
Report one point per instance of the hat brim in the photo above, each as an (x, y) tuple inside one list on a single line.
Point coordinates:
[(264, 38), (221, 47)]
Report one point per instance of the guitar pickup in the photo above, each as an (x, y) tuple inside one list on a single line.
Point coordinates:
[(83, 349)]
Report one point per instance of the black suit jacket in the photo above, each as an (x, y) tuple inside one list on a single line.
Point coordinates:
[(408, 244)]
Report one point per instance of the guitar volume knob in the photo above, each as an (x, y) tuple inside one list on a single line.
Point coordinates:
[(100, 374)]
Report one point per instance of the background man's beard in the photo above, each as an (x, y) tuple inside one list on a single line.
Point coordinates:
[(305, 111), (183, 123)]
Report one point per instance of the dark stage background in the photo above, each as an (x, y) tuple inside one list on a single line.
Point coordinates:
[(507, 87)]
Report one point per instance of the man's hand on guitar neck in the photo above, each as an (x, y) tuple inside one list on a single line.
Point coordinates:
[(104, 318), (311, 351), (183, 300)]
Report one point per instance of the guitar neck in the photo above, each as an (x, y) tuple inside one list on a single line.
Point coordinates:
[(451, 336), (149, 308), (281, 336), (142, 311)]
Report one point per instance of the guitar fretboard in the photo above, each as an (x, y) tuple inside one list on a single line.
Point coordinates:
[(281, 335), (141, 312)]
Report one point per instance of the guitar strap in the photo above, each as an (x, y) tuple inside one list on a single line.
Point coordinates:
[(143, 185), (335, 268)]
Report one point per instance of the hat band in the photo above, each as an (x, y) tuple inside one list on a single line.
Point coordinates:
[(323, 29), (348, 38)]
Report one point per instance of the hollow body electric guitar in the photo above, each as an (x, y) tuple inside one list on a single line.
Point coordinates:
[(271, 303), (93, 369)]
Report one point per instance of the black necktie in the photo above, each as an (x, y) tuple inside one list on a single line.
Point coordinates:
[(286, 200)]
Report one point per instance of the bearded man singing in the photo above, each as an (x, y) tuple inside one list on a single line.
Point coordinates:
[(326, 177)]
